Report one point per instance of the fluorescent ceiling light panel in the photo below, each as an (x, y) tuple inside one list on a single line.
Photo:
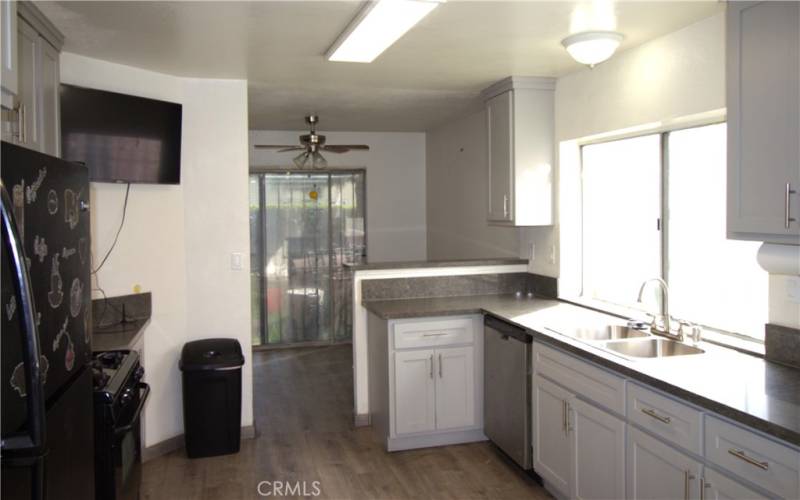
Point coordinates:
[(377, 27)]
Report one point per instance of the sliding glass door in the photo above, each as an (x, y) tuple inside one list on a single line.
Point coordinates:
[(303, 227)]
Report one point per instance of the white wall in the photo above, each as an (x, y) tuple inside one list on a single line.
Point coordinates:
[(456, 179), (395, 166), (177, 239)]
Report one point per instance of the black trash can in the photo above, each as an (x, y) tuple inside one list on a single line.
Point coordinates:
[(212, 396)]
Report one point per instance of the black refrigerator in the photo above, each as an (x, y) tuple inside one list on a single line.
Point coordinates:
[(47, 405)]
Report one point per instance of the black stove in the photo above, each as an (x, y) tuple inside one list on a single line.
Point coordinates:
[(119, 398)]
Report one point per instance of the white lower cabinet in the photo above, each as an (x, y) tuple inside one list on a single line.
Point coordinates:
[(718, 487), (571, 437), (415, 394), (455, 387), (434, 389), (588, 444), (598, 438), (551, 455), (657, 471)]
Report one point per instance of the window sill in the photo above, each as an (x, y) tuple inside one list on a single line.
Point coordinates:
[(734, 341)]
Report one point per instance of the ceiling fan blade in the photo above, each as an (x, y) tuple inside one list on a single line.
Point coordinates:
[(292, 148), (344, 148), (274, 146)]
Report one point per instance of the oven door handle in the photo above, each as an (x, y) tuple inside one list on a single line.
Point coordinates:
[(119, 431)]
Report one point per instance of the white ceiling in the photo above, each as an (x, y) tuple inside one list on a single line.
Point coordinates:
[(434, 72)]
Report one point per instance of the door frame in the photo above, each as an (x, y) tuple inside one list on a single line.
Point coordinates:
[(272, 169)]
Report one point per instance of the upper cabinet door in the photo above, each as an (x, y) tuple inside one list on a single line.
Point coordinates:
[(8, 46), (49, 99), (415, 396), (763, 98), (455, 387), (520, 131), (500, 115), (28, 46)]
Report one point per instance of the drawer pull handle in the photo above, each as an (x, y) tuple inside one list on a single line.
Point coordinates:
[(431, 365), (652, 413), (687, 478), (787, 213), (741, 455), (433, 334)]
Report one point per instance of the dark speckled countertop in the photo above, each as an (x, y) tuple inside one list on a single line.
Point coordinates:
[(434, 263), (747, 389)]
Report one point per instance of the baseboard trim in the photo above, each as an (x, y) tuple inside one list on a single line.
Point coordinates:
[(176, 443), (362, 420), (437, 439)]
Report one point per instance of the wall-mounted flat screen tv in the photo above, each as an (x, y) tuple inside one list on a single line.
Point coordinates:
[(121, 138)]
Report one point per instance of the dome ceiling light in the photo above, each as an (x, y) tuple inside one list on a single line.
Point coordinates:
[(592, 47)]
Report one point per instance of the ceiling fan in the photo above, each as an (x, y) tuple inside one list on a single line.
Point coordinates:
[(311, 144)]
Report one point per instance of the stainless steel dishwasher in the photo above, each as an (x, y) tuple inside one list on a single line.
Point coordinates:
[(507, 389)]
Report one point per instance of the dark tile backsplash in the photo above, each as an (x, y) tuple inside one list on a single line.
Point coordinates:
[(455, 286)]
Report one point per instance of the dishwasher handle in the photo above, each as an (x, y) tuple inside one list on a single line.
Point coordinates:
[(507, 330)]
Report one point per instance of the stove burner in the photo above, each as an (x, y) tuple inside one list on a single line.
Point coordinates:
[(105, 365)]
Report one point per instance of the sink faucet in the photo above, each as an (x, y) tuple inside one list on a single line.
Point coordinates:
[(664, 330)]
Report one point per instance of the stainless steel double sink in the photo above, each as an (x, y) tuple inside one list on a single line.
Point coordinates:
[(630, 342)]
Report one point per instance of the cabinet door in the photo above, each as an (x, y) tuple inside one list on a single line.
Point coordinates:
[(551, 440), (763, 96), (415, 399), (8, 46), (719, 487), (455, 387), (656, 471), (49, 97), (500, 115), (598, 438), (27, 90)]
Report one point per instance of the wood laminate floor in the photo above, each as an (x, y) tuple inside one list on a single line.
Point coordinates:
[(303, 400)]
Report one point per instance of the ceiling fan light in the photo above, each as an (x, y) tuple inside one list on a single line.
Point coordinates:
[(592, 47), (318, 161), (301, 159)]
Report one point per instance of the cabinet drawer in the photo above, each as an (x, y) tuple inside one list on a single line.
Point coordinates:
[(772, 466), (675, 422), (580, 377), (432, 332)]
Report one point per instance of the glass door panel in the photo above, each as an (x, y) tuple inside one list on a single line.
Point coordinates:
[(348, 244), (304, 226)]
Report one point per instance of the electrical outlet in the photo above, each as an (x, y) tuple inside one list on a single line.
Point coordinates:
[(532, 255), (552, 254)]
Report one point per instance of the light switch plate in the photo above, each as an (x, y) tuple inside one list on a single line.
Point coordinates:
[(237, 261), (793, 289)]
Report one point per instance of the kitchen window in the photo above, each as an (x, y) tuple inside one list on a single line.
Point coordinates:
[(654, 206)]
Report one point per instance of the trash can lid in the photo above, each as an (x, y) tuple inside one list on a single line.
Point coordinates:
[(211, 354)]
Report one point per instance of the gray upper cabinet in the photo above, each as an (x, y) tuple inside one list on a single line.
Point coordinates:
[(27, 87), (8, 51), (50, 98), (499, 114), (31, 116), (763, 99), (519, 124)]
